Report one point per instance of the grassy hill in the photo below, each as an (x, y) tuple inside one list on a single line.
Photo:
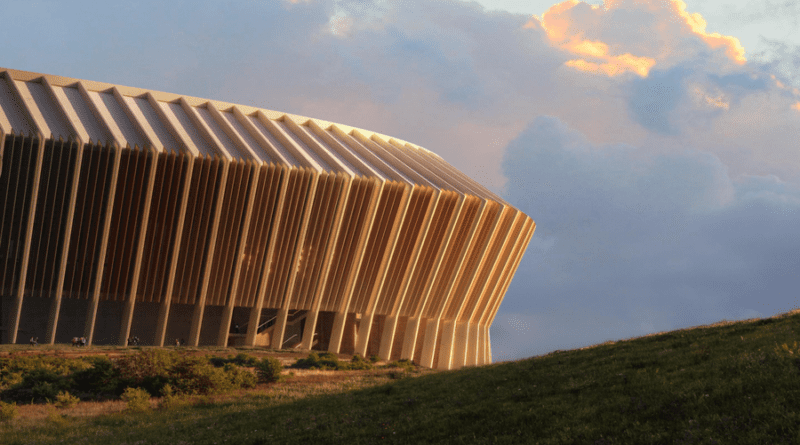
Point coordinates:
[(727, 383)]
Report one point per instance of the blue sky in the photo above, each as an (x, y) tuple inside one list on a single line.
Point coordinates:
[(654, 142)]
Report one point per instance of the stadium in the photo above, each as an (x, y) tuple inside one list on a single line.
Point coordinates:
[(129, 213)]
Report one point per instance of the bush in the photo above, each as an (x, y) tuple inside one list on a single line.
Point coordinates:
[(101, 379), (241, 359), (148, 369), (194, 375), (137, 399), (40, 385), (48, 380), (405, 364), (169, 398), (66, 400), (358, 362), (7, 411), (327, 360), (240, 377), (269, 370), (12, 370), (153, 369)]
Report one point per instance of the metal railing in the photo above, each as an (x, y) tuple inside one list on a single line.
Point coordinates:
[(287, 340)]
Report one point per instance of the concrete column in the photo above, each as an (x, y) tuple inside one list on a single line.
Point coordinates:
[(279, 329), (364, 329), (429, 347), (446, 345), (166, 302), (255, 311), (26, 255), (387, 339), (488, 346), (55, 308), (311, 325), (460, 345), (107, 121), (252, 325), (227, 314), (200, 304), (313, 314), (341, 315), (337, 332), (410, 340), (474, 345), (225, 325), (130, 303), (481, 351), (197, 323)]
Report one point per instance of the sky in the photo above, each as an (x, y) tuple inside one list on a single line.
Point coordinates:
[(654, 142)]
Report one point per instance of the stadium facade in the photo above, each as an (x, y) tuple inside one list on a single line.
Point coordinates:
[(128, 212)]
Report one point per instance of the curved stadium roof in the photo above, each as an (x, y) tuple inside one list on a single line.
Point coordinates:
[(135, 212)]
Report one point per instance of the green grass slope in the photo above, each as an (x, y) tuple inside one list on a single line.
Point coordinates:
[(731, 383)]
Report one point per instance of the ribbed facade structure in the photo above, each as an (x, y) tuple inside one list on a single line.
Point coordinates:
[(133, 213)]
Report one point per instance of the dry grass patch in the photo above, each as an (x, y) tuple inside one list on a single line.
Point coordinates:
[(35, 413)]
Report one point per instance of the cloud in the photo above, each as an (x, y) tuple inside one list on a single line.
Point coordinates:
[(633, 36), (559, 24), (654, 99), (783, 60), (644, 241)]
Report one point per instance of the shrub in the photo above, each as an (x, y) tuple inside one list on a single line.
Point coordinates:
[(195, 375), (269, 370), (137, 399), (358, 362), (187, 374), (240, 359), (101, 379), (312, 361), (240, 377), (243, 359), (13, 369), (148, 369), (327, 360), (7, 411), (169, 398), (40, 385), (405, 364), (44, 390), (66, 400), (48, 380), (9, 377)]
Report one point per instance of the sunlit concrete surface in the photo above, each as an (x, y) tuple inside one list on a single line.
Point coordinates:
[(127, 212)]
